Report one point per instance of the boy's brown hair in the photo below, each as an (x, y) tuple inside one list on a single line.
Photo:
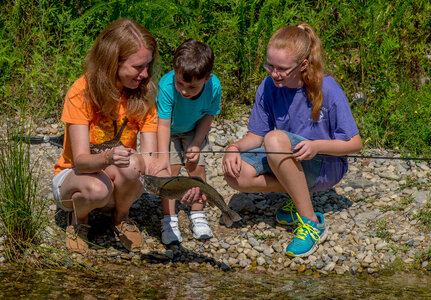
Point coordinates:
[(194, 60)]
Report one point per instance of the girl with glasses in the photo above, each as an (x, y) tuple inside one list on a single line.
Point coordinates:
[(301, 110)]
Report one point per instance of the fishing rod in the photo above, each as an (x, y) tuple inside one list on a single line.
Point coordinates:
[(275, 152), (31, 139), (58, 141)]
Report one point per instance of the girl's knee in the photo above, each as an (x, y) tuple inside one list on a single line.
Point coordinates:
[(242, 182), (275, 139), (232, 182)]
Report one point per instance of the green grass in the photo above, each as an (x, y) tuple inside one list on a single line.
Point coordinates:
[(403, 204), (424, 215), (22, 207), (382, 230), (424, 256), (412, 182), (30, 240), (261, 237), (376, 49)]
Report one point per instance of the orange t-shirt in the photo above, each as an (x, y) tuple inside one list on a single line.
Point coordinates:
[(101, 129)]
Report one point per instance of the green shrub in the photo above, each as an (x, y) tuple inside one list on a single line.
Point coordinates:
[(377, 50)]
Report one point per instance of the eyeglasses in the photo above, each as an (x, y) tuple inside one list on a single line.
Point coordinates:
[(283, 72)]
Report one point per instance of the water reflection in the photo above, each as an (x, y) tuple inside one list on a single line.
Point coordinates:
[(162, 282)]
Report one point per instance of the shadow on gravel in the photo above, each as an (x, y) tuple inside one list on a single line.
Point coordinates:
[(179, 254), (255, 208), (147, 213)]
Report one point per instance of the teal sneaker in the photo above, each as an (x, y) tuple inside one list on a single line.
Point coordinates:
[(286, 214), (309, 235)]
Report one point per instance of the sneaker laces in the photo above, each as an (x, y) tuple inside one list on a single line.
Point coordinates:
[(290, 208), (303, 229)]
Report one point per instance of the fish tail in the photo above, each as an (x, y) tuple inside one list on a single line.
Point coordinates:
[(229, 217)]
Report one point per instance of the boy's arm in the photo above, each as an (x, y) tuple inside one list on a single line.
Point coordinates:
[(202, 128), (163, 139)]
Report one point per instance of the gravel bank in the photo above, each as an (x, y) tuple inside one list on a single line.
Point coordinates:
[(372, 216)]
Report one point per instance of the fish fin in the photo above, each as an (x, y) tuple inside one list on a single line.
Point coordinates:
[(170, 179), (197, 178), (229, 217)]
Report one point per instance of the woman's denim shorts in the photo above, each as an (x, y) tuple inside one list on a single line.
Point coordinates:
[(259, 161)]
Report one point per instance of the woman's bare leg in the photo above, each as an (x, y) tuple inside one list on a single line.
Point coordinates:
[(84, 193), (127, 186)]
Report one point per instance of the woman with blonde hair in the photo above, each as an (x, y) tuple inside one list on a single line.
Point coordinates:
[(301, 110), (104, 111)]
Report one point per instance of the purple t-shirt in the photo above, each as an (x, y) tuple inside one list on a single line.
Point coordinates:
[(289, 109)]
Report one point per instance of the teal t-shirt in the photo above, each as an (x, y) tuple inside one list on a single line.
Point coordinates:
[(184, 112)]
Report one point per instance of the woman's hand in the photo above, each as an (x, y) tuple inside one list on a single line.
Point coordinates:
[(118, 156), (305, 150), (192, 196)]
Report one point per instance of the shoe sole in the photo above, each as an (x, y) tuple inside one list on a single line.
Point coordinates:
[(282, 222), (314, 248), (174, 243), (203, 237)]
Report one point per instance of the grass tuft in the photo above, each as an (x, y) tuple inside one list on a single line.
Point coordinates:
[(22, 207)]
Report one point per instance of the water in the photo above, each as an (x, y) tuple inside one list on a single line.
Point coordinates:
[(162, 282)]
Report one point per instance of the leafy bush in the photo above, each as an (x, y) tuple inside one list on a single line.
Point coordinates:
[(377, 50)]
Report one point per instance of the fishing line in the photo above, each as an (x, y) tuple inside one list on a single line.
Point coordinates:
[(286, 153), (57, 141)]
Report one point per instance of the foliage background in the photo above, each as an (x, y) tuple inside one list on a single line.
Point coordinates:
[(379, 51)]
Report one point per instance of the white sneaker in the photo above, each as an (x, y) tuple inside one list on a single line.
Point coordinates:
[(171, 235), (199, 224)]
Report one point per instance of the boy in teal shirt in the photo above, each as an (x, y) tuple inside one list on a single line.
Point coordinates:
[(188, 98)]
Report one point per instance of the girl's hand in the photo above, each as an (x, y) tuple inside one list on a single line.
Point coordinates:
[(151, 165), (193, 157), (119, 156), (159, 164), (192, 196), (232, 164), (305, 150)]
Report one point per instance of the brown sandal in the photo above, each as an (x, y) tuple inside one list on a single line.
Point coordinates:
[(129, 234), (76, 236)]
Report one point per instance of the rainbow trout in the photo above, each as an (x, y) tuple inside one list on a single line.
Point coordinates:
[(175, 187)]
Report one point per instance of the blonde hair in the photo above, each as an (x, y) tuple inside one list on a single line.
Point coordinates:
[(302, 42), (114, 45)]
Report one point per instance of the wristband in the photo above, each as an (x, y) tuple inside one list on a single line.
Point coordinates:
[(233, 145)]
